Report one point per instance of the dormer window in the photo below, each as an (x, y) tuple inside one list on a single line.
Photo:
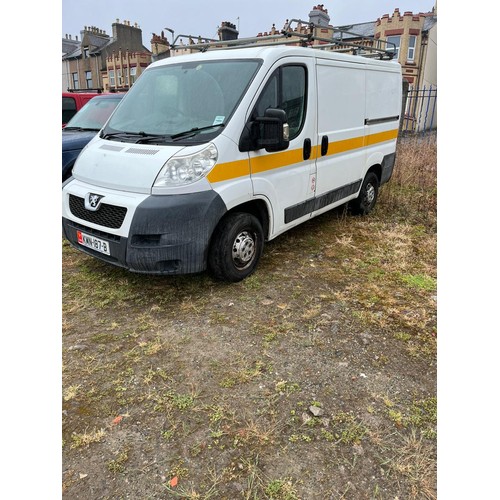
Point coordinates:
[(85, 52)]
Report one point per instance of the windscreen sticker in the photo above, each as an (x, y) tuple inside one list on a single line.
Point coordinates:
[(219, 119)]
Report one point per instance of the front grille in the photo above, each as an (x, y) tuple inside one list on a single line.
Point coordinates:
[(107, 216)]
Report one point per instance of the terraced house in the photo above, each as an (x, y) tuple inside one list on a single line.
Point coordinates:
[(99, 61)]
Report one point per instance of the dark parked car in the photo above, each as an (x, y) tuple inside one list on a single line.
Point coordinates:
[(84, 126)]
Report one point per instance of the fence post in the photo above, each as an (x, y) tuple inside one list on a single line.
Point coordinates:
[(406, 86)]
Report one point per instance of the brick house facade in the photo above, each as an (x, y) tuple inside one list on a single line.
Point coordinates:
[(86, 67)]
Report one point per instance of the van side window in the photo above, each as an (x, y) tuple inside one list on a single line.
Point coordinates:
[(286, 89)]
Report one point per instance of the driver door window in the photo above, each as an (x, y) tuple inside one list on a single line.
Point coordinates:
[(286, 89)]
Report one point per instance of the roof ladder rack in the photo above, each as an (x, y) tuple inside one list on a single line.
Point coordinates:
[(302, 35)]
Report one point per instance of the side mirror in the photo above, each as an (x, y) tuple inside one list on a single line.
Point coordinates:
[(270, 131)]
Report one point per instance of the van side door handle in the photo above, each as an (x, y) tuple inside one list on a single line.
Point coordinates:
[(307, 149), (324, 145)]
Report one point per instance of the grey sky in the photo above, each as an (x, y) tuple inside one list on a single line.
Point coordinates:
[(197, 17)]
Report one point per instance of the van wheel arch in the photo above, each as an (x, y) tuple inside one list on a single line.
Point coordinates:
[(368, 194), (259, 209)]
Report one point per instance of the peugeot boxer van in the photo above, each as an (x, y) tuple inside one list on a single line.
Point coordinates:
[(210, 155)]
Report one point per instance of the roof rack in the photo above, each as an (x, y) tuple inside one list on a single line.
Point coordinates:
[(302, 35)]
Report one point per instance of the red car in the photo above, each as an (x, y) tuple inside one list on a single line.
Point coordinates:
[(72, 102)]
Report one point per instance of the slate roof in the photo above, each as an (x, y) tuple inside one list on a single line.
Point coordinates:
[(69, 46), (95, 42), (363, 29), (429, 22)]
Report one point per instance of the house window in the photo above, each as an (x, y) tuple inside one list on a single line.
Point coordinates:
[(74, 78), (396, 40), (119, 77), (133, 73), (111, 78), (125, 72), (411, 47), (88, 79), (85, 52)]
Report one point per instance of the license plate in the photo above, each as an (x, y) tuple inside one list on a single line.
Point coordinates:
[(92, 242)]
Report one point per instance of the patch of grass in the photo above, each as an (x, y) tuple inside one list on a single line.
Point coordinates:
[(117, 465), (286, 388), (240, 374), (420, 282), (256, 434), (423, 415), (181, 401), (71, 392), (281, 489), (347, 429), (85, 439), (414, 463)]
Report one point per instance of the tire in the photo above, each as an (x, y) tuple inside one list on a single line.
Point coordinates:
[(367, 198), (236, 247)]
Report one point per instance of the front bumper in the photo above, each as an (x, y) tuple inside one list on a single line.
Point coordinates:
[(168, 234)]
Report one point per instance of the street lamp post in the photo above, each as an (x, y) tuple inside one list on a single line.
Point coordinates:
[(171, 31)]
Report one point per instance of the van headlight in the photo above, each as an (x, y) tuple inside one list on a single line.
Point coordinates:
[(181, 170)]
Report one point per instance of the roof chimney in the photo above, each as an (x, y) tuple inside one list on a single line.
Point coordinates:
[(319, 16), (228, 31)]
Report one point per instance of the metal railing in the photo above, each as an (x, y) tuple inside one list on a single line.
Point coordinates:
[(420, 114)]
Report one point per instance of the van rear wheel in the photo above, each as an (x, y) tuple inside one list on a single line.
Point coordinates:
[(236, 247), (365, 202)]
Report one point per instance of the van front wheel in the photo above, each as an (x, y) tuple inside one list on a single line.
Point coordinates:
[(365, 202), (236, 247)]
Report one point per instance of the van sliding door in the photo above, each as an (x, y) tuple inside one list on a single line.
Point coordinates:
[(341, 114)]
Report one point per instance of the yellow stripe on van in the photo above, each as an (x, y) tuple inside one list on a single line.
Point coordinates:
[(345, 145), (270, 162), (381, 137), (229, 170), (240, 168)]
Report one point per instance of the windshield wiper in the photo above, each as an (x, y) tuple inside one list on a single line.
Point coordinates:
[(123, 134), (143, 137), (152, 138), (194, 131)]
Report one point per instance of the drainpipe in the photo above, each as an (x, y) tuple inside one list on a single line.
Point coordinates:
[(98, 72), (423, 46), (78, 73)]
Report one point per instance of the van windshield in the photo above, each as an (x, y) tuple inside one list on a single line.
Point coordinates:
[(186, 102)]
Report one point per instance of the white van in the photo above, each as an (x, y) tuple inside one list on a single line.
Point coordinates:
[(209, 155)]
